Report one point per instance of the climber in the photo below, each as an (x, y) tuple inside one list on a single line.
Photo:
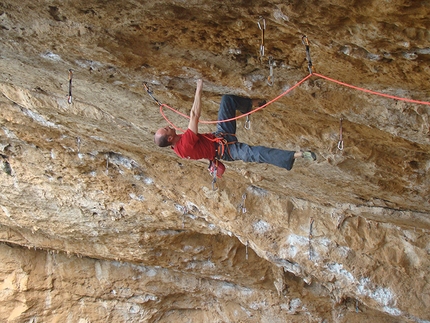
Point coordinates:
[(223, 143)]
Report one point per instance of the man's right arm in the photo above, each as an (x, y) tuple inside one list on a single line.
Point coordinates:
[(195, 110)]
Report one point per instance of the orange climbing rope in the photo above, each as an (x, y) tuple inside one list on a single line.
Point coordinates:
[(370, 91), (283, 94), (235, 118)]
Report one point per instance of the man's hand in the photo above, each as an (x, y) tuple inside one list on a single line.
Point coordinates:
[(195, 110)]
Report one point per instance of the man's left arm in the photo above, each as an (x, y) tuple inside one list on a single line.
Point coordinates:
[(195, 110)]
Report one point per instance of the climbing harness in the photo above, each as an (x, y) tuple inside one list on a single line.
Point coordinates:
[(69, 98), (216, 167), (270, 77), (262, 25), (340, 143), (305, 42), (241, 208)]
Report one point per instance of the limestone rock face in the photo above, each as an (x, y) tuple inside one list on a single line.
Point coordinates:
[(97, 224)]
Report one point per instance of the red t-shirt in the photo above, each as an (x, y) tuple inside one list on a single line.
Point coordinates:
[(195, 146)]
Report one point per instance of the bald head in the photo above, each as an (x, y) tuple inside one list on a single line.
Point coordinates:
[(164, 137)]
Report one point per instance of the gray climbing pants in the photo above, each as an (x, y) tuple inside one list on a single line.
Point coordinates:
[(239, 151)]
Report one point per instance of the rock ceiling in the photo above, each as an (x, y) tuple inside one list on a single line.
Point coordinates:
[(98, 224)]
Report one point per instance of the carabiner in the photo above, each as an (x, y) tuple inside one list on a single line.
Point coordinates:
[(247, 125), (69, 98), (305, 40), (340, 143), (213, 173), (264, 23)]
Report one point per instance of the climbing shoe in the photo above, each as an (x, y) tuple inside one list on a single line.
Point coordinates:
[(309, 155)]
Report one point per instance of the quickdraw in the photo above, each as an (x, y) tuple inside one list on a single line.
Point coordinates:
[(149, 91), (69, 98), (311, 223), (213, 169), (262, 25), (340, 143), (270, 77), (305, 42), (216, 169)]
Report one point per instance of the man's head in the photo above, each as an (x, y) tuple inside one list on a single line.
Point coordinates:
[(165, 136)]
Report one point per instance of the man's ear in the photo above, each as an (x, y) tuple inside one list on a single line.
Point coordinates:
[(170, 138)]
